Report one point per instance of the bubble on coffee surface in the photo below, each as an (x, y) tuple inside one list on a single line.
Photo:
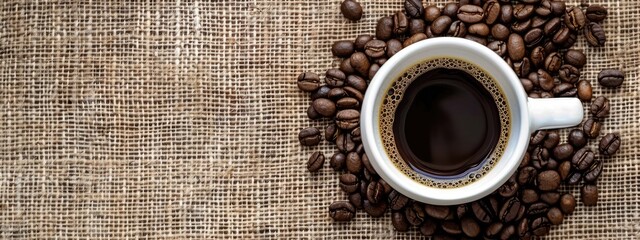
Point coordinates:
[(394, 96)]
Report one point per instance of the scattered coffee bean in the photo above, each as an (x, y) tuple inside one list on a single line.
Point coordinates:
[(415, 213), (589, 195), (470, 13), (567, 203), (399, 222), (373, 69), (492, 11), (362, 40), (457, 29), (349, 183), (344, 143), (563, 151), (397, 201), (594, 34), (596, 13), (523, 11), (540, 226), (384, 29), (342, 48), (591, 128), (342, 211), (493, 230), (509, 189), (575, 58), (565, 90), (515, 47), (609, 144), (441, 24), (507, 232), (428, 228), (316, 160), (550, 198), (509, 210), (610, 78), (600, 107), (575, 19), (338, 161), (351, 10), (375, 210), (416, 26), (569, 73), (354, 163), (437, 212), (500, 32), (308, 82), (552, 140), (324, 107), (451, 227), (552, 26), (309, 136), (553, 62), (583, 159), (548, 180), (470, 227), (360, 63), (592, 174), (375, 192), (414, 8), (526, 175), (414, 39), (555, 216), (431, 12), (356, 200)]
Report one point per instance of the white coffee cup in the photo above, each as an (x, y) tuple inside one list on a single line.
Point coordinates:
[(527, 115)]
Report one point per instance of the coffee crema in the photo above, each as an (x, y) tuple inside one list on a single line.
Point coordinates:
[(444, 122)]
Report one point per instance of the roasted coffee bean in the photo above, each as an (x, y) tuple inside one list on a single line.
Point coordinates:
[(375, 192), (373, 69), (480, 40), (589, 195), (360, 63), (342, 211), (375, 210), (309, 136), (521, 26), (336, 93), (397, 201), (555, 216), (538, 22), (450, 9), (315, 162), (375, 48), (583, 159), (354, 93), (565, 90), (596, 13), (549, 47), (540, 226), (548, 180), (575, 19), (538, 137), (500, 32), (451, 227), (575, 58), (558, 7), (552, 164), (569, 73), (345, 67), (507, 232), (351, 10), (415, 213), (416, 26), (399, 222), (335, 78), (510, 188), (594, 34), (312, 113), (493, 230), (553, 62), (342, 48), (354, 163), (457, 29), (600, 107), (344, 143), (577, 138), (515, 47), (492, 11), (584, 90), (563, 151), (357, 82), (362, 40), (400, 23), (348, 119), (364, 183), (479, 29), (428, 228), (538, 208), (347, 102), (441, 24), (552, 140), (324, 107), (522, 68), (308, 81), (432, 12), (574, 178), (526, 175), (461, 210), (506, 13), (571, 40), (539, 157), (610, 78), (526, 84), (591, 128), (485, 209), (509, 210), (530, 196), (545, 94), (545, 80), (609, 144), (552, 26), (550, 198), (523, 11), (437, 212), (470, 13), (544, 9), (331, 132), (561, 36), (349, 183), (533, 37), (393, 47), (338, 161), (384, 28), (470, 227), (414, 8), (429, 33), (592, 174), (322, 92), (414, 39), (356, 200), (567, 203), (499, 47)]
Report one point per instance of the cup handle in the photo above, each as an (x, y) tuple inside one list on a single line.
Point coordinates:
[(548, 113)]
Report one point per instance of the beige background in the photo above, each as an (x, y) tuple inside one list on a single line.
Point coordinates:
[(162, 119)]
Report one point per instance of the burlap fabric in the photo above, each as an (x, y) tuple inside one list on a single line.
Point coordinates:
[(179, 119)]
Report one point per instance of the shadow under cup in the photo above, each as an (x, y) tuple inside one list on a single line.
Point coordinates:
[(420, 188)]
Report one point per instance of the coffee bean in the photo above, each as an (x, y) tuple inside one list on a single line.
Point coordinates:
[(595, 35), (344, 143), (523, 11), (538, 22), (324, 107), (360, 63), (577, 138), (415, 213), (373, 69), (461, 210), (545, 80), (440, 25), (451, 10), (540, 226), (414, 8), (561, 36), (589, 195), (414, 39), (539, 157), (567, 203), (399, 222), (338, 161), (558, 7), (548, 180), (470, 227), (610, 78), (354, 163), (345, 67), (549, 47), (384, 29), (533, 37), (507, 232), (400, 23), (308, 81), (312, 113), (357, 82), (592, 174), (521, 26), (375, 48), (416, 26), (506, 13), (571, 40), (351, 10), (552, 26), (451, 227), (375, 192), (575, 58), (480, 40), (563, 151), (342, 48), (485, 209), (509, 210), (526, 84), (354, 93), (515, 47), (510, 188), (437, 212), (600, 107), (500, 32), (609, 144), (457, 29), (361, 40), (530, 196), (583, 159), (309, 136), (569, 73), (552, 63), (550, 198), (555, 216), (574, 177), (537, 56), (470, 13), (479, 29), (356, 200), (596, 13), (364, 183), (337, 93), (492, 11), (493, 230), (538, 208), (335, 78), (526, 175), (393, 47), (375, 210), (544, 9), (349, 183), (591, 128), (397, 201), (565, 90), (538, 137), (331, 132), (347, 102), (431, 12), (428, 228), (575, 19), (499, 47), (342, 211), (322, 92)]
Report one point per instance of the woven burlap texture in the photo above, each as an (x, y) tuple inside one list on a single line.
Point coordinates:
[(162, 119)]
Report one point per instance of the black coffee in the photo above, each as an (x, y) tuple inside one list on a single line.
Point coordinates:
[(446, 122)]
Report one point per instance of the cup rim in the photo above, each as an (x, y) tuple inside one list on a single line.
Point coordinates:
[(406, 185)]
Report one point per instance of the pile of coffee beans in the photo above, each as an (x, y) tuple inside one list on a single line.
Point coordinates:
[(535, 38)]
